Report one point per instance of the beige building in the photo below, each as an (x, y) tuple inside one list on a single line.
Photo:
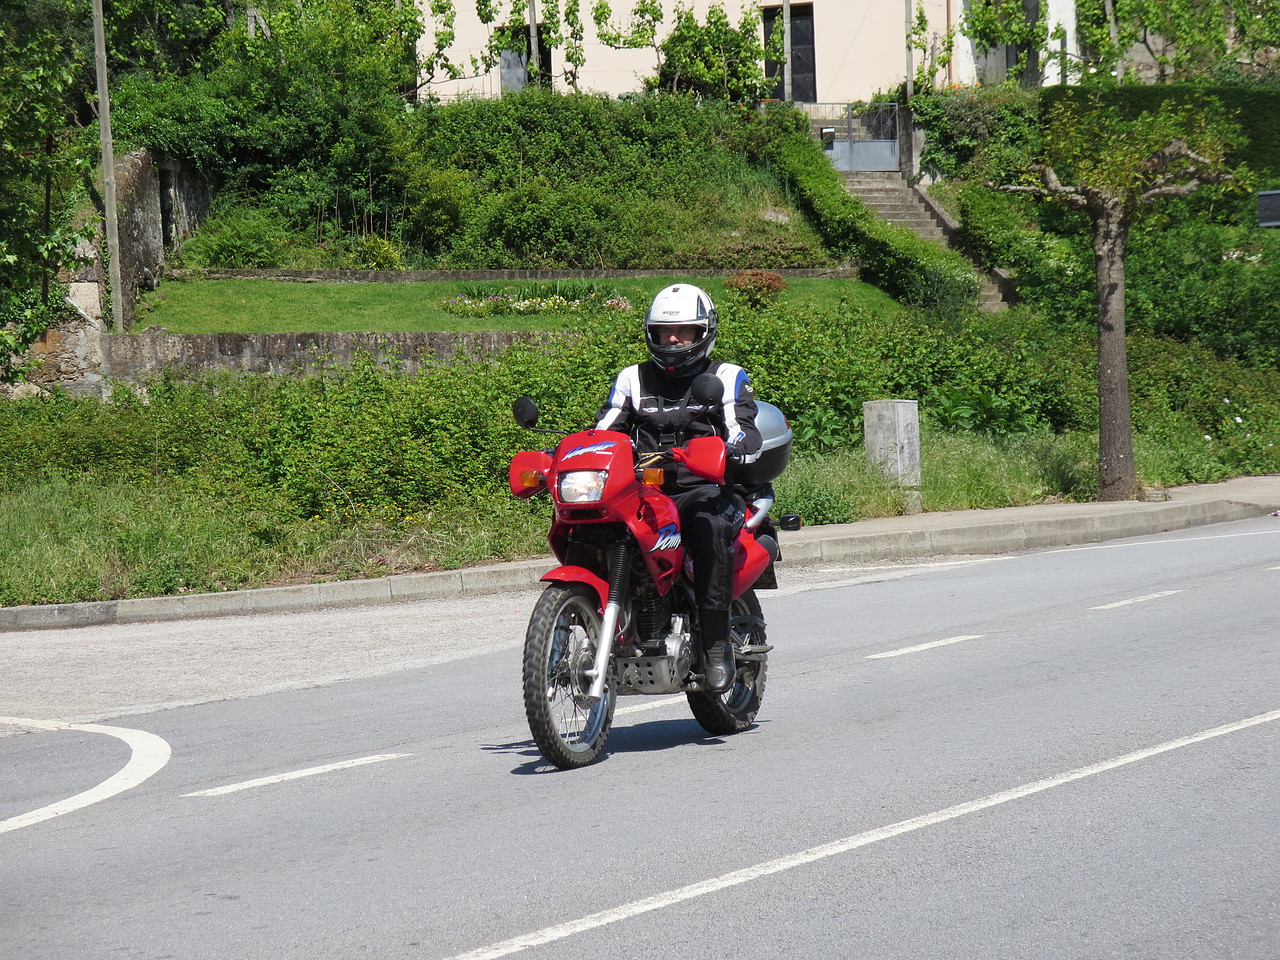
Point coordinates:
[(842, 50)]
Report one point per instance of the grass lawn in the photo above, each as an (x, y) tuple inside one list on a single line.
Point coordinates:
[(273, 306)]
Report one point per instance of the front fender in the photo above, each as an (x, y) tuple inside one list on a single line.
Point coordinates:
[(574, 574)]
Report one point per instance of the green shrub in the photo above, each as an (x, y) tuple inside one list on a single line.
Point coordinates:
[(983, 132), (757, 287), (239, 235), (1194, 280)]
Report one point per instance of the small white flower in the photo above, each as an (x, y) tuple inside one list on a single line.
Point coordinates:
[(1239, 419), (1207, 437)]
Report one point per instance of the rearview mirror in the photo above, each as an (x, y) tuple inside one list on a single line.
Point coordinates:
[(707, 389), (526, 412)]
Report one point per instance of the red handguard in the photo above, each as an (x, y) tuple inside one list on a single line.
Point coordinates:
[(703, 456)]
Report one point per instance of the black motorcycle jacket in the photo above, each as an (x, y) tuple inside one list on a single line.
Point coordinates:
[(658, 411)]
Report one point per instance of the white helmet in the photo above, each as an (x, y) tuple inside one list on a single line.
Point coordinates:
[(681, 305)]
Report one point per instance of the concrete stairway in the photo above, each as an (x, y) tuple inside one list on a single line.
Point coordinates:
[(891, 197)]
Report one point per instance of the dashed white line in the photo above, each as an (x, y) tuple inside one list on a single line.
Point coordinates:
[(149, 755), (1125, 603), (295, 775), (924, 646), (814, 854)]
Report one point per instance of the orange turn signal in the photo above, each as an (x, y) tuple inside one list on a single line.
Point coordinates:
[(654, 476), (532, 478)]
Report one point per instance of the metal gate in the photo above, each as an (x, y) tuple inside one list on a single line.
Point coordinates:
[(857, 136)]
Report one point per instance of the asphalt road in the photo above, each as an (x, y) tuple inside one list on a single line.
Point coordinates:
[(1068, 753)]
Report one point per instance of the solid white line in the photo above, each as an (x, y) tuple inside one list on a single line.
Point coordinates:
[(923, 646), (814, 854), (1125, 603), (148, 756), (295, 775), (1161, 543), (876, 574)]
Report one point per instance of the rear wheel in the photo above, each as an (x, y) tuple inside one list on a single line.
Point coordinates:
[(559, 650), (735, 709)]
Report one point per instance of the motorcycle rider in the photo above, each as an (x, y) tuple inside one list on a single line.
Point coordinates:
[(652, 400)]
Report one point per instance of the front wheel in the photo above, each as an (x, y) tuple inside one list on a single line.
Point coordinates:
[(559, 650), (735, 709)]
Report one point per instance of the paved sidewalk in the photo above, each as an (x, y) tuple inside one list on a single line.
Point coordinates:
[(969, 532)]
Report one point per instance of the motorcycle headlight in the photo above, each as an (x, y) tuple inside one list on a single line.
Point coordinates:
[(582, 486)]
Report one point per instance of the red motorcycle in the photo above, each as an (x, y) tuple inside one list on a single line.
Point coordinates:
[(618, 616)]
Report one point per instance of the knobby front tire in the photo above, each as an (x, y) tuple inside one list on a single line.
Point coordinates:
[(735, 709), (559, 649)]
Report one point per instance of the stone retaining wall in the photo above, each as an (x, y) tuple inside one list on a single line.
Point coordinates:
[(486, 276), (83, 354), (136, 356)]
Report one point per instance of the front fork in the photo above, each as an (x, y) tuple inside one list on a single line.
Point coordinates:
[(619, 586)]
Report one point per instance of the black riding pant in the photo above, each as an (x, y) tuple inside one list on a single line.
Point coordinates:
[(710, 517)]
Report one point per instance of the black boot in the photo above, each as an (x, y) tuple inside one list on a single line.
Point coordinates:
[(717, 650)]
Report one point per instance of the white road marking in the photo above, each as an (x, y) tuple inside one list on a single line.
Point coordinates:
[(923, 646), (653, 704), (1125, 603), (295, 775), (875, 574), (1161, 543), (814, 854), (149, 755)]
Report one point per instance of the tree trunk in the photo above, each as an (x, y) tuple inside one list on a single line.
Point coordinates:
[(1117, 474)]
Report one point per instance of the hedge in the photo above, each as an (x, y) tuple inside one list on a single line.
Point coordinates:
[(911, 268)]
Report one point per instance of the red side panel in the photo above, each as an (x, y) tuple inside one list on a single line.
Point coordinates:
[(749, 561), (656, 528)]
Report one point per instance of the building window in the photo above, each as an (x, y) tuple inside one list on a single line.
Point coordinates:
[(514, 64), (804, 81)]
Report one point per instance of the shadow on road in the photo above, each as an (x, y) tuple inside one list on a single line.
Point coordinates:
[(647, 737)]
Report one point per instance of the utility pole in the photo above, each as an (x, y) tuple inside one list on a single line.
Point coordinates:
[(535, 63), (911, 66), (786, 42), (108, 172)]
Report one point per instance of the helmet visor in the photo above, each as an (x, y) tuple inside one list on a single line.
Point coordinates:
[(676, 335)]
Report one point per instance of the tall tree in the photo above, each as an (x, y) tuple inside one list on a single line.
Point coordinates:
[(992, 24), (1183, 39), (37, 168), (1114, 169), (715, 59)]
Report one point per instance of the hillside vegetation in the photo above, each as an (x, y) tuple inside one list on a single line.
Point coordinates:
[(212, 483), (226, 481)]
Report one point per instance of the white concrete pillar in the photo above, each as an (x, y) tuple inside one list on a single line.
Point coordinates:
[(891, 429)]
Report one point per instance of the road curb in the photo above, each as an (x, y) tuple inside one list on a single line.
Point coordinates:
[(999, 531)]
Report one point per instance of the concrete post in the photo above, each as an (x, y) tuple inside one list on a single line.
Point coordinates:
[(892, 432)]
